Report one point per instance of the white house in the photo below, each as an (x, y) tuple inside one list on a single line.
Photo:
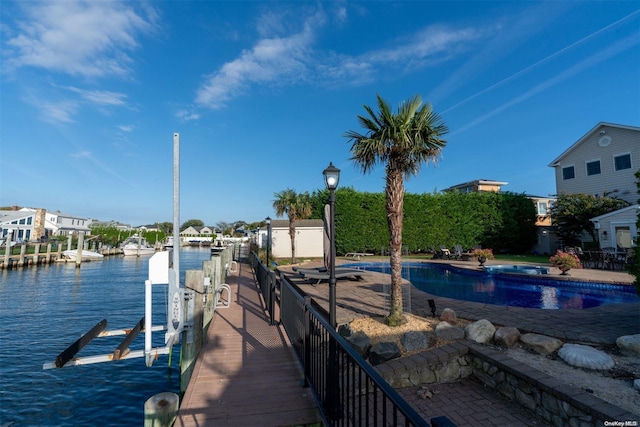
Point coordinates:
[(617, 229), (22, 225), (198, 233), (60, 224), (602, 162), (308, 239)]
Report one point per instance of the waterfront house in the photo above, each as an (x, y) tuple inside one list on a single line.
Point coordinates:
[(603, 162), (20, 225), (109, 224), (61, 224), (198, 233)]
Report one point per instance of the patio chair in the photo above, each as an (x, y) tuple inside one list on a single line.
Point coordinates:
[(445, 252), (341, 272)]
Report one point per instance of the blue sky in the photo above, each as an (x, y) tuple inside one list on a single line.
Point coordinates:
[(262, 93)]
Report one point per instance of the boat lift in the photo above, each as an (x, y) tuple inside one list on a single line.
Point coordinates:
[(161, 272)]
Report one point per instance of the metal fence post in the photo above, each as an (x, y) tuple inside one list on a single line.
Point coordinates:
[(306, 316)]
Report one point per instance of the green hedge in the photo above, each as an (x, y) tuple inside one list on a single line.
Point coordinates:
[(504, 222)]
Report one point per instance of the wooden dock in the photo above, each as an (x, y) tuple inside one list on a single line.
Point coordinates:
[(247, 374)]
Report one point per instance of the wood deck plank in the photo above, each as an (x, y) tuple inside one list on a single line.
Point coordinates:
[(247, 373)]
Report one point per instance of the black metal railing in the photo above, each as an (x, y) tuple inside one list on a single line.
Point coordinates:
[(350, 391)]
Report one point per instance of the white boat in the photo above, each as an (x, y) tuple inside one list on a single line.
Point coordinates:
[(136, 245), (72, 254)]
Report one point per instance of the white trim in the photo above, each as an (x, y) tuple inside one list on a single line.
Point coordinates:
[(619, 211)]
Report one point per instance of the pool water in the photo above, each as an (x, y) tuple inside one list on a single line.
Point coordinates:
[(507, 289), (517, 269)]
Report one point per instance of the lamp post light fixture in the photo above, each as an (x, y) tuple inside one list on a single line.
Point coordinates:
[(267, 220), (331, 178), (332, 397)]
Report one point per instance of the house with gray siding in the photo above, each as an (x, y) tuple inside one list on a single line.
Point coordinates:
[(602, 162)]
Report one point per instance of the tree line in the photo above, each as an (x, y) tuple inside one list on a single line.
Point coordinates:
[(502, 221)]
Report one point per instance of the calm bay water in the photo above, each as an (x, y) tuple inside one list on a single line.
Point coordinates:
[(44, 309)]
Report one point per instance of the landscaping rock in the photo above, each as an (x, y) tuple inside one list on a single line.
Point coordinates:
[(447, 332), (584, 356), (415, 340), (481, 331), (448, 315), (541, 343), (629, 344), (345, 330), (507, 336), (361, 343), (383, 351)]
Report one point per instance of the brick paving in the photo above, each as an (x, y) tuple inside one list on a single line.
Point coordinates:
[(468, 402)]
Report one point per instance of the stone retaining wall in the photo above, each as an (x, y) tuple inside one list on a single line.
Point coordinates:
[(556, 402)]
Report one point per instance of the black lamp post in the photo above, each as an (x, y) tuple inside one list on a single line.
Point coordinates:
[(332, 395), (331, 179), (268, 221)]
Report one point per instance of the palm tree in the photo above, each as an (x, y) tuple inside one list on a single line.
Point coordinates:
[(402, 142), (296, 206)]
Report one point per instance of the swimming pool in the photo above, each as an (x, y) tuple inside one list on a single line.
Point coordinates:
[(517, 269), (507, 289)]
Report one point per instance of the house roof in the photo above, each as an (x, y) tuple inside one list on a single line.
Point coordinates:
[(595, 129), (8, 216), (476, 182), (619, 211)]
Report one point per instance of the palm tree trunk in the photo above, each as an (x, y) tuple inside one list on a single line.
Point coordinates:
[(292, 235), (395, 202)]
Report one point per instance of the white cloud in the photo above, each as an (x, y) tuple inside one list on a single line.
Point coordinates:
[(187, 115), (270, 61), (59, 112), (290, 60), (81, 155), (100, 97), (79, 38), (126, 128)]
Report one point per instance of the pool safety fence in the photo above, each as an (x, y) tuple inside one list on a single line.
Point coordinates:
[(349, 391)]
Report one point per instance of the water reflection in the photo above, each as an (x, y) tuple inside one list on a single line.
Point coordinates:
[(549, 298)]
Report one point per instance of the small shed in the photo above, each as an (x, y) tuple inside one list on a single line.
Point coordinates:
[(617, 229), (308, 239)]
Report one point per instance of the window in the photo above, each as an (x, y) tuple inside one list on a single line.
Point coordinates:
[(568, 172), (622, 162), (22, 221), (593, 168), (29, 220), (542, 208)]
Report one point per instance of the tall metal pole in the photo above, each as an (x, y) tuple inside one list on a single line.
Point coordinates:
[(332, 404), (268, 220), (176, 202), (332, 259)]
